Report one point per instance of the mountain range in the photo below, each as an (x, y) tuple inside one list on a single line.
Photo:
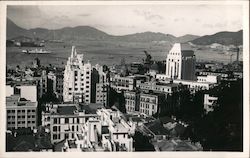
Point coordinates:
[(83, 33)]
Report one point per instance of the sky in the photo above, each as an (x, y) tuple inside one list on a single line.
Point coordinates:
[(177, 20)]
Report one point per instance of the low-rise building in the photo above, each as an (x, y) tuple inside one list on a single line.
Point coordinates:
[(168, 88), (209, 78), (120, 83), (64, 120), (132, 101), (143, 102), (107, 132), (150, 102), (195, 85), (21, 113)]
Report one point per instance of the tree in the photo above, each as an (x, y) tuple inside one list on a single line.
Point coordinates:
[(142, 143)]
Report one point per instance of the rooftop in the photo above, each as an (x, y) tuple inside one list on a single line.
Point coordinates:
[(177, 145), (66, 110), (157, 128)]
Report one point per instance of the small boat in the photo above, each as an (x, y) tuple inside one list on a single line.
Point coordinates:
[(36, 51)]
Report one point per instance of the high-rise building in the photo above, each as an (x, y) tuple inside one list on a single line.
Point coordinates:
[(99, 82), (77, 79), (180, 63)]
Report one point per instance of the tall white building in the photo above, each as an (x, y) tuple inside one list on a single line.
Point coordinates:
[(180, 63), (77, 79)]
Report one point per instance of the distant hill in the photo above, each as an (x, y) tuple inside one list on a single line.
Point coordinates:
[(224, 38), (187, 38), (147, 37), (14, 31), (65, 34), (89, 33)]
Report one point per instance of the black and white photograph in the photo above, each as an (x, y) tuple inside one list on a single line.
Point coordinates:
[(136, 76)]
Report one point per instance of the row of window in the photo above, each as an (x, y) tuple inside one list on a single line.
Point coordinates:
[(148, 100), (130, 108), (20, 111), (66, 136), (145, 111), (21, 116), (66, 120), (147, 106), (20, 122)]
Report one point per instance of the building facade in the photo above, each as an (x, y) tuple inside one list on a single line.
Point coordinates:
[(132, 101), (99, 85), (77, 79), (21, 113), (64, 120)]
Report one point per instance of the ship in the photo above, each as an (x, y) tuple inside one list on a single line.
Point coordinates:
[(36, 51)]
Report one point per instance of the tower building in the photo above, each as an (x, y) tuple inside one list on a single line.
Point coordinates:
[(77, 79), (180, 62)]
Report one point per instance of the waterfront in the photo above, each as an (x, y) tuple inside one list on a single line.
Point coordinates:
[(106, 53)]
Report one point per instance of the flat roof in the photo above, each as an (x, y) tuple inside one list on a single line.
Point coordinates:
[(66, 110), (157, 128)]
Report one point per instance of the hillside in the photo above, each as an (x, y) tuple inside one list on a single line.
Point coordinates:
[(187, 38), (87, 33), (224, 38)]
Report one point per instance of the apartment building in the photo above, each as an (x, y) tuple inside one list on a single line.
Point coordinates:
[(20, 112), (64, 120), (77, 79), (144, 102), (166, 87)]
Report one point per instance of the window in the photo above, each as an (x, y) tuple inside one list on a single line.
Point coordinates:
[(54, 136), (87, 73), (66, 120), (54, 129), (55, 120), (66, 135), (73, 128)]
